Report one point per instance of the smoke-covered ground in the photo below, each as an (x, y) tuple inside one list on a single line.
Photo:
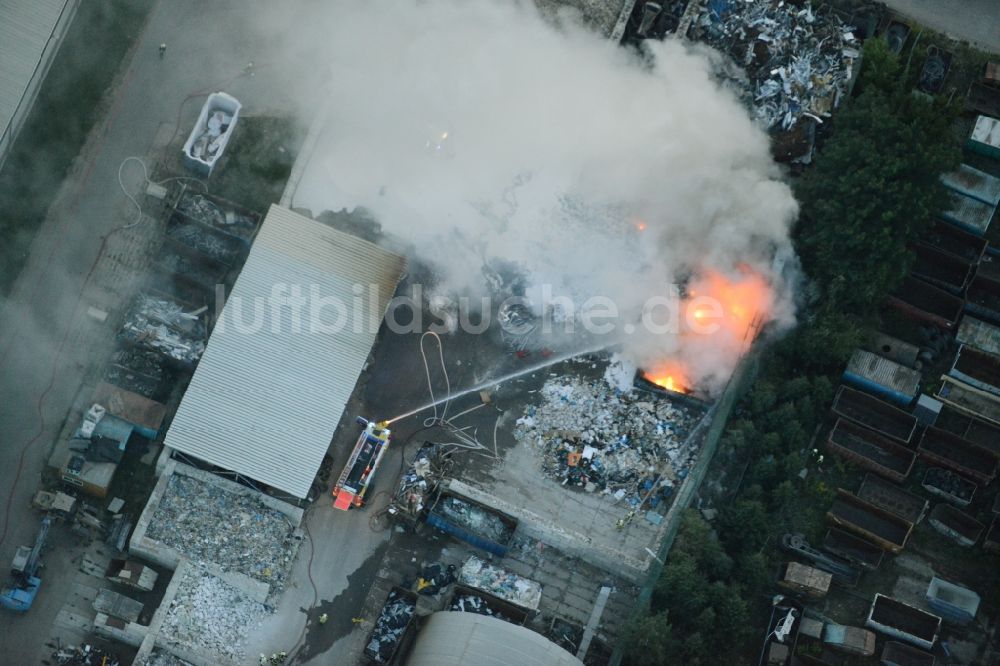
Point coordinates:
[(482, 133)]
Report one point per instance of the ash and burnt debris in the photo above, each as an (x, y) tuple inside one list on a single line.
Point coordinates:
[(164, 326), (210, 615), (396, 615), (604, 440), (799, 61), (235, 531)]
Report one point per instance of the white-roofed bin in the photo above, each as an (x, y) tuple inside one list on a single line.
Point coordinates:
[(280, 366), (211, 134)]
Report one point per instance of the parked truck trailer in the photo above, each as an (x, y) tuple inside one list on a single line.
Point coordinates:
[(899, 620), (868, 521)]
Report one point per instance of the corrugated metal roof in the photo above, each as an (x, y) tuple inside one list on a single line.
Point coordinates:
[(974, 183), (970, 213), (265, 403), (882, 371), (454, 638), (977, 333), (25, 29), (987, 130)]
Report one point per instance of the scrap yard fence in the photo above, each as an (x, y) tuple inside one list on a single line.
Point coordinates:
[(713, 425)]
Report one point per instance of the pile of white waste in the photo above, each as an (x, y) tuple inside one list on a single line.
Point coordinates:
[(630, 445), (210, 615)]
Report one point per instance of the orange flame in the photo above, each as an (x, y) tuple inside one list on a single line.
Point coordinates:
[(670, 375), (734, 305)]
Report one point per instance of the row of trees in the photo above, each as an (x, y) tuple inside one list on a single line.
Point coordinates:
[(873, 189)]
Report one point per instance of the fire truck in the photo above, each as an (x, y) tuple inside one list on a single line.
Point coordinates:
[(362, 465)]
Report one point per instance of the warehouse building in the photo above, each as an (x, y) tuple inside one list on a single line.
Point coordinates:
[(286, 352), (30, 34)]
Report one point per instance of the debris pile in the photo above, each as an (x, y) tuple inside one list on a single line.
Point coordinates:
[(207, 242), (140, 371), (207, 614), (603, 440), (85, 655), (419, 480), (164, 326), (434, 577), (211, 140), (237, 532), (470, 603), (390, 626), (202, 209), (799, 61), (474, 519), (500, 583), (171, 262)]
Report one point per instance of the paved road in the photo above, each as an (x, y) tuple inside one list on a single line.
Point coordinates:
[(976, 21), (48, 345)]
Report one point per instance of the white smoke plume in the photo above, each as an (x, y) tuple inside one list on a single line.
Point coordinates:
[(477, 129)]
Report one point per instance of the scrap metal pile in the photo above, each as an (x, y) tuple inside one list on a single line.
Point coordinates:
[(140, 371), (799, 61), (234, 531), (474, 519), (171, 262), (390, 626), (210, 615), (419, 480), (85, 655), (201, 208), (164, 326), (604, 440), (500, 583), (470, 603), (213, 245)]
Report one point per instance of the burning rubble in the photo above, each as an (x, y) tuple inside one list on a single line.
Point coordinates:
[(580, 207), (599, 439), (799, 61), (721, 316)]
